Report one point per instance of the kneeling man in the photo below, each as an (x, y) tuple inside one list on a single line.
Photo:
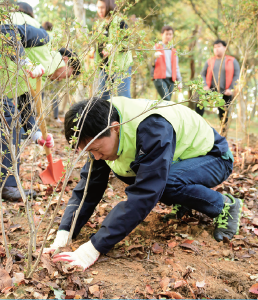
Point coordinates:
[(168, 154)]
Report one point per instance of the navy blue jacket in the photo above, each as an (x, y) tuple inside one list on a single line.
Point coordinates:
[(155, 143), (30, 36)]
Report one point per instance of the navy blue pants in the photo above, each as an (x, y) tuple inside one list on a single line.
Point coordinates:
[(26, 120), (164, 87), (190, 181)]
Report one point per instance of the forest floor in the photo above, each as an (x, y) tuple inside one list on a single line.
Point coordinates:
[(177, 259)]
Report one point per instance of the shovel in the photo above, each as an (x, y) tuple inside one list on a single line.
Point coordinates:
[(54, 170)]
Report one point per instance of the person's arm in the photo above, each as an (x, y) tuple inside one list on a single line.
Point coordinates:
[(156, 141), (30, 36), (155, 145), (204, 73), (236, 74), (97, 185), (178, 74)]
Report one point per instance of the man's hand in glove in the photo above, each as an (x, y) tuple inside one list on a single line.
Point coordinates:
[(60, 241), (35, 71), (49, 142), (85, 256)]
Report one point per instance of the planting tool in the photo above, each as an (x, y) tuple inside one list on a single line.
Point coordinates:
[(54, 170)]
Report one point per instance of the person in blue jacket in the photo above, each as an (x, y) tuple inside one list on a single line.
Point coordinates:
[(30, 37), (169, 154)]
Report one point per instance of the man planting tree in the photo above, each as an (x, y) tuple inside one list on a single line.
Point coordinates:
[(168, 154)]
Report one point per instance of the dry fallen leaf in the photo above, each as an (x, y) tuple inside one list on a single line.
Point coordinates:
[(88, 280), (164, 283), (5, 279), (156, 248), (190, 246), (172, 295), (47, 263), (18, 278), (69, 294), (149, 289), (254, 289), (15, 227), (178, 284), (9, 264), (172, 244), (94, 272)]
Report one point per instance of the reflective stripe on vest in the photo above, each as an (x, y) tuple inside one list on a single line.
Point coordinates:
[(160, 64), (194, 137), (229, 70)]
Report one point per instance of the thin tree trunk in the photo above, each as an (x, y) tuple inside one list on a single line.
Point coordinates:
[(80, 17), (192, 65), (241, 113), (255, 100)]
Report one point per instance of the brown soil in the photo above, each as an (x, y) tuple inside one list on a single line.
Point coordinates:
[(187, 262)]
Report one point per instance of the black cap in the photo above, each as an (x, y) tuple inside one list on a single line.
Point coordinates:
[(26, 8), (73, 59)]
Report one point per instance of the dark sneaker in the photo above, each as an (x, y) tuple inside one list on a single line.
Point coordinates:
[(13, 193), (177, 212), (228, 221)]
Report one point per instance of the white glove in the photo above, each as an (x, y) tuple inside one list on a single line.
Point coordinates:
[(85, 256), (180, 86), (60, 241), (34, 71), (157, 54)]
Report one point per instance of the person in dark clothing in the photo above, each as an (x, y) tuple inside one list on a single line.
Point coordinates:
[(230, 72), (123, 57), (169, 154)]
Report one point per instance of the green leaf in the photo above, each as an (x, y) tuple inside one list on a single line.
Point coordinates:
[(59, 294)]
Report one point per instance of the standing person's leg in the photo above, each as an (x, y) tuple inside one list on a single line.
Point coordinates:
[(102, 89), (227, 100), (124, 88), (28, 116), (189, 185), (10, 190), (170, 85), (163, 88), (200, 111), (55, 107)]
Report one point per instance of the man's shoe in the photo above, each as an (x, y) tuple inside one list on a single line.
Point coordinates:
[(177, 212), (13, 193), (228, 221)]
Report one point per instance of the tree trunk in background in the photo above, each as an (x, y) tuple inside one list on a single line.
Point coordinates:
[(255, 99), (192, 65), (79, 13), (242, 114), (134, 85)]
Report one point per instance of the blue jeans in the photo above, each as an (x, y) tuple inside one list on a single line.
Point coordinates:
[(124, 88), (9, 110), (190, 181), (164, 87)]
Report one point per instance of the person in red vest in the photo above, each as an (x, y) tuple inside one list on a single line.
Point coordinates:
[(166, 70), (229, 75)]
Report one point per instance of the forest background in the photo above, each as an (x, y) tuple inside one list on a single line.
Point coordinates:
[(197, 24)]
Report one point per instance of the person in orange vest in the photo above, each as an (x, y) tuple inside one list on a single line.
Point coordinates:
[(229, 75), (166, 69)]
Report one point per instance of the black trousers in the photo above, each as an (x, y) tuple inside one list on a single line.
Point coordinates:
[(227, 100)]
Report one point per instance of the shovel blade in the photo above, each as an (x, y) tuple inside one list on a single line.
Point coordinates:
[(53, 172)]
